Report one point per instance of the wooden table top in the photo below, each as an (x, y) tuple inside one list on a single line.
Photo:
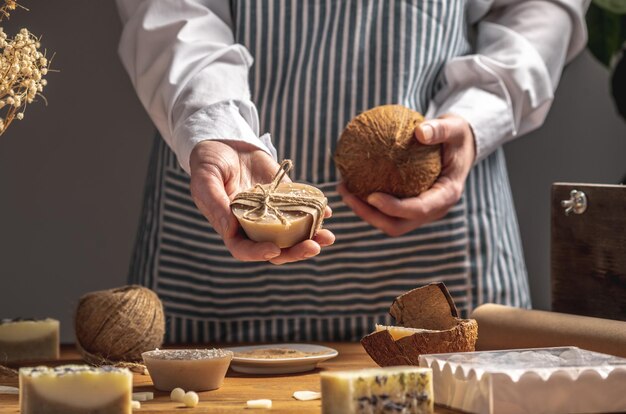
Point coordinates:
[(238, 388)]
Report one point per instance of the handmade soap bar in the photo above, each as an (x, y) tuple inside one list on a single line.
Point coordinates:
[(28, 340), (75, 389), (292, 213), (189, 369), (403, 390)]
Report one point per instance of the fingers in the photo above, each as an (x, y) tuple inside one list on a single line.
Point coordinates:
[(305, 249), (428, 206), (301, 251), (395, 216), (441, 130), (324, 238), (207, 189), (390, 225), (328, 212), (209, 194), (247, 250)]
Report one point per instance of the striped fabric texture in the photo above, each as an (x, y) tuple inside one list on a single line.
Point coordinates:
[(318, 63)]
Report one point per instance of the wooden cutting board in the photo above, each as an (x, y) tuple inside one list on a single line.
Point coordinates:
[(588, 252)]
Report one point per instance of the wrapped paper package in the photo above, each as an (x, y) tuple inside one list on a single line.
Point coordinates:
[(504, 327), (283, 213)]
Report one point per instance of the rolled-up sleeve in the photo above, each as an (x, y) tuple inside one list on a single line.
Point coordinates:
[(505, 88), (189, 74)]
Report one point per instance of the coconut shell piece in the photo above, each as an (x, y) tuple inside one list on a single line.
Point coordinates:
[(378, 152), (431, 309)]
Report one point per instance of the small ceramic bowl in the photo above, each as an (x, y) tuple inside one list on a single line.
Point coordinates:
[(189, 369)]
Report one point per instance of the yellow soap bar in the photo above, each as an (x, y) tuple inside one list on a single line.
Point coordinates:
[(75, 389), (404, 389), (28, 340)]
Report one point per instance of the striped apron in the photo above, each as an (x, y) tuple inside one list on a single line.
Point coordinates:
[(318, 63)]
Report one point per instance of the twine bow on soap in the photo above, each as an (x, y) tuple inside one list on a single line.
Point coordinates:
[(267, 200)]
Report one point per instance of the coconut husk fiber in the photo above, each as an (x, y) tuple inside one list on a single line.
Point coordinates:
[(378, 152), (430, 308), (115, 326)]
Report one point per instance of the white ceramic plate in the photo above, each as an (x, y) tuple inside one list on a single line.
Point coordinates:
[(280, 365)]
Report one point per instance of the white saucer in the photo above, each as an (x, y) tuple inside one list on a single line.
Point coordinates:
[(280, 365)]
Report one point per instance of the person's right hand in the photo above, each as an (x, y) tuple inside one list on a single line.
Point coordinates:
[(222, 169)]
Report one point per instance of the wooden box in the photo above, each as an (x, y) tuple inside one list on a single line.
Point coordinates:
[(588, 250)]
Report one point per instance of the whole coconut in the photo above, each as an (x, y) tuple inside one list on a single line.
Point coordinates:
[(378, 152)]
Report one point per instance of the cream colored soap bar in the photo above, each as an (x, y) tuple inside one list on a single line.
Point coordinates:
[(400, 390), (265, 225), (75, 389), (28, 340)]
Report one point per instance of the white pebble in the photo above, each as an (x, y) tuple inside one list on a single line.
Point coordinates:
[(259, 404), (177, 395), (135, 405), (307, 395), (191, 399), (143, 396)]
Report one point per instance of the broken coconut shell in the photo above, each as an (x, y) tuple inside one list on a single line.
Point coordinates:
[(429, 310), (378, 152)]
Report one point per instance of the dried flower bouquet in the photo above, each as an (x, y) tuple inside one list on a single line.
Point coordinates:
[(23, 67)]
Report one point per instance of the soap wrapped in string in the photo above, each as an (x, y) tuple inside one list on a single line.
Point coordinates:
[(283, 213)]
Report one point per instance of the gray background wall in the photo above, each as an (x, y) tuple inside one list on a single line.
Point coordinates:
[(71, 174)]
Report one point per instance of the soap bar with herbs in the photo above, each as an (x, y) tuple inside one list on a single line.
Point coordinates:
[(75, 389), (23, 340), (287, 223), (401, 390)]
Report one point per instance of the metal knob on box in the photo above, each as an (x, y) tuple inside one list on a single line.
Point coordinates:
[(577, 203)]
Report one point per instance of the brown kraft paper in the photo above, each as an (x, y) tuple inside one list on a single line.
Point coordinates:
[(505, 327)]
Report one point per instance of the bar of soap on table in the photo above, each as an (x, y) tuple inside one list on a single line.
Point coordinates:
[(403, 389), (23, 340), (75, 389)]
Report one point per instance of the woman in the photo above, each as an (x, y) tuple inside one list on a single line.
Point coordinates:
[(213, 74)]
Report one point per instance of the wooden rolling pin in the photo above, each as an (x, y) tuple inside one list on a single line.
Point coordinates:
[(504, 327)]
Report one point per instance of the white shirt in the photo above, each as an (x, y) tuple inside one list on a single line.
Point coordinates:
[(182, 58)]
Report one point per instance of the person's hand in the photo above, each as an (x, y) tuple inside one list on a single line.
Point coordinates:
[(396, 216), (221, 170)]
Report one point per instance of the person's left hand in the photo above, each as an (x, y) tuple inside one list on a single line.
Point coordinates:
[(396, 216)]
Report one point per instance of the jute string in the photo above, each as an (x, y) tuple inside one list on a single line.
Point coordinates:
[(113, 327), (98, 361), (267, 200), (6, 372), (95, 360)]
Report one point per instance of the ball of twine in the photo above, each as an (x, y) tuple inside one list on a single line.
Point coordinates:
[(119, 324)]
